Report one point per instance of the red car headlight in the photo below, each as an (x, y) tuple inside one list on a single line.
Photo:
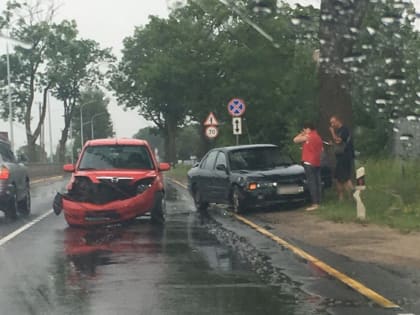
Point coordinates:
[(144, 184)]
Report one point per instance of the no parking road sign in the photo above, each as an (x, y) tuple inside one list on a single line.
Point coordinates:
[(236, 107)]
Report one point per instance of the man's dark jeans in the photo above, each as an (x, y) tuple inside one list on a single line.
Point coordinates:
[(313, 176)]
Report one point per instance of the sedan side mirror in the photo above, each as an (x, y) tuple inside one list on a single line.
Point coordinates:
[(69, 168), (221, 167)]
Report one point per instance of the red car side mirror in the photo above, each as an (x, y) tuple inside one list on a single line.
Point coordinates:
[(164, 167), (69, 168)]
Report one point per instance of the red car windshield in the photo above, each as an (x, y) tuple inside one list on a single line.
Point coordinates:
[(116, 157)]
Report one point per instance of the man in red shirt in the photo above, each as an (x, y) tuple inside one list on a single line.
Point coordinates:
[(311, 158)]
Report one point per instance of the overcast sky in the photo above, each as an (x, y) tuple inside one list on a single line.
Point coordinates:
[(108, 22)]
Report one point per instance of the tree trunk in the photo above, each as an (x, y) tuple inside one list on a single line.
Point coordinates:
[(337, 43), (62, 145), (170, 141), (68, 114)]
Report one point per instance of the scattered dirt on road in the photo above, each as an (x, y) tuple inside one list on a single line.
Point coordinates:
[(368, 243)]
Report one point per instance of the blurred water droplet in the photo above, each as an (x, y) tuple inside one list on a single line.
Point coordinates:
[(406, 137), (380, 101), (322, 41), (371, 30), (388, 60), (295, 21), (388, 20), (411, 118), (176, 4), (396, 130), (326, 17), (390, 82)]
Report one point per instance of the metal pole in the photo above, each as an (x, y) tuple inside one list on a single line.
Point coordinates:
[(91, 121), (91, 128), (81, 126), (9, 98), (49, 128)]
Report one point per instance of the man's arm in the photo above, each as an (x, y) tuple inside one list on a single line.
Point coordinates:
[(301, 137)]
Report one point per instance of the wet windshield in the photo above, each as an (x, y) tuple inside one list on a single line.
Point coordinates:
[(258, 159), (334, 83), (116, 157)]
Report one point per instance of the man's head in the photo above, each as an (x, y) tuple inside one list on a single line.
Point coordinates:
[(308, 126), (335, 122)]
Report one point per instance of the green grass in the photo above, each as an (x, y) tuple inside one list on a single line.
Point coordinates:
[(179, 172), (392, 196)]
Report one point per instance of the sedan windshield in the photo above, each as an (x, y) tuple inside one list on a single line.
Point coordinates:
[(117, 156), (260, 158)]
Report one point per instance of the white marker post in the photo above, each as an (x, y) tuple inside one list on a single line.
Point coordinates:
[(360, 185)]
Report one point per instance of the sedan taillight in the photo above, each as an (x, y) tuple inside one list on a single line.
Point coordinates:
[(4, 172)]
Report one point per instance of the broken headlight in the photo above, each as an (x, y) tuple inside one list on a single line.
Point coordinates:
[(144, 184)]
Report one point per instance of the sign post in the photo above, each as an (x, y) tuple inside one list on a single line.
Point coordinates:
[(236, 108), (360, 185)]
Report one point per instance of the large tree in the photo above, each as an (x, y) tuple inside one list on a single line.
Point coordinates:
[(58, 62), (73, 64), (153, 75), (339, 28)]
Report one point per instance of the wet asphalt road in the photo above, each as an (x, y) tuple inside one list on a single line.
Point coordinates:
[(184, 267)]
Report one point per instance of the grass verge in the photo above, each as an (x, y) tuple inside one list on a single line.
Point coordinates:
[(392, 196), (179, 172)]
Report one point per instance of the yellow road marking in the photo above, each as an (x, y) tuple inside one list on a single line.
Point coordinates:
[(359, 287), (41, 180), (179, 183), (354, 284)]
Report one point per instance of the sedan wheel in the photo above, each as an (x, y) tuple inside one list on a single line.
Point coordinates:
[(11, 212), (25, 204), (200, 205), (158, 211)]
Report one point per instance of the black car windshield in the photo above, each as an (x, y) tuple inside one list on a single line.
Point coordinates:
[(258, 158), (116, 157)]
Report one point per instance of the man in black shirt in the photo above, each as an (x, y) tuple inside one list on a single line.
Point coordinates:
[(344, 160)]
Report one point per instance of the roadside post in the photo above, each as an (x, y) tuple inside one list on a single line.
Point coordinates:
[(211, 131), (360, 185), (236, 108)]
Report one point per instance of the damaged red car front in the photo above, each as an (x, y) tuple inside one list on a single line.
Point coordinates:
[(114, 180)]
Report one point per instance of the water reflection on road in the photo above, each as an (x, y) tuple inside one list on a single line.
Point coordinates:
[(140, 268)]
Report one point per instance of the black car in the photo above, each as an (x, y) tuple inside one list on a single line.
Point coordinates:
[(248, 176), (14, 184)]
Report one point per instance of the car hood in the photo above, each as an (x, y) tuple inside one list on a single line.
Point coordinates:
[(275, 174), (127, 175)]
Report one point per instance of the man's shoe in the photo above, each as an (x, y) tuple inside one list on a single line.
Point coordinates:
[(312, 208)]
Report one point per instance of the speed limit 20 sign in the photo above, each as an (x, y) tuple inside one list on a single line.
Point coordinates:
[(211, 132)]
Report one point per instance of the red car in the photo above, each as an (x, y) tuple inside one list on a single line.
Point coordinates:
[(114, 180)]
